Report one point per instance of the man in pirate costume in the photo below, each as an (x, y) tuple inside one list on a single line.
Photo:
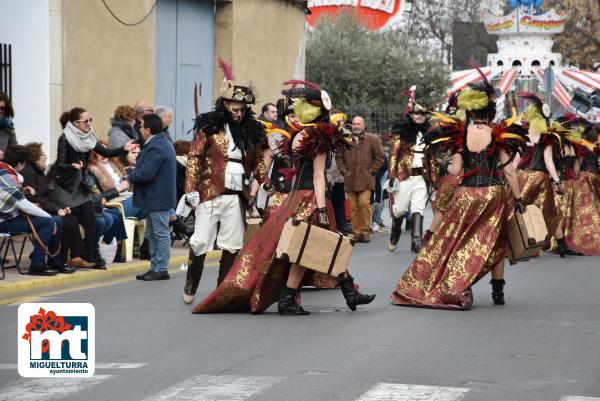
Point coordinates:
[(408, 169), (225, 153)]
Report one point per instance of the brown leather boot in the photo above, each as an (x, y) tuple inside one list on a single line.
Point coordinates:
[(416, 242), (194, 274)]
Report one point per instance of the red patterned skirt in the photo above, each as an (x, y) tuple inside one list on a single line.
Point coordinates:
[(446, 187), (255, 279), (582, 223), (470, 241), (536, 189)]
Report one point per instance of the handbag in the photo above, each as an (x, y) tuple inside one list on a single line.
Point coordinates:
[(88, 182)]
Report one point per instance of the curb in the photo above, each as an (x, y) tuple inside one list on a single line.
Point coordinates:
[(13, 292)]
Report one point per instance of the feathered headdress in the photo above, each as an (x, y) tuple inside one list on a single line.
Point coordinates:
[(535, 120), (478, 95), (309, 102), (231, 91), (543, 108), (482, 85)]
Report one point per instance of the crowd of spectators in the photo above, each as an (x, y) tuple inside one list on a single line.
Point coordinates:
[(69, 206)]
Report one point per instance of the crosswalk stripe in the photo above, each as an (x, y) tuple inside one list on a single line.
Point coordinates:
[(216, 388), (411, 392), (576, 398), (35, 389), (109, 365)]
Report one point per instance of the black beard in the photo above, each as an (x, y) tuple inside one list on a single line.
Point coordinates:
[(246, 133)]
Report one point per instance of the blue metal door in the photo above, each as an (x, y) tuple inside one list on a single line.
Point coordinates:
[(185, 42)]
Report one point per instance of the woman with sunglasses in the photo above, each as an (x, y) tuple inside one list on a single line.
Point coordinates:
[(7, 127), (73, 188)]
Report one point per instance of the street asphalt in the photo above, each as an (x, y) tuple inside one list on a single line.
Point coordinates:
[(544, 344)]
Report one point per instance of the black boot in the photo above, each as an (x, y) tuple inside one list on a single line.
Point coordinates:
[(396, 231), (287, 303), (227, 259), (119, 258), (416, 242), (100, 262), (498, 291), (409, 223), (194, 274), (563, 249), (351, 294)]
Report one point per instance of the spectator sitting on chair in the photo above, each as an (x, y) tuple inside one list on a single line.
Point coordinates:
[(121, 130), (154, 191), (110, 185), (182, 148), (34, 176), (13, 202)]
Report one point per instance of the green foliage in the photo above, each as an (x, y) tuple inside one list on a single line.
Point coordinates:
[(362, 69)]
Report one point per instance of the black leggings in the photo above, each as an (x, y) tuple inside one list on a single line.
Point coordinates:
[(71, 238), (86, 214)]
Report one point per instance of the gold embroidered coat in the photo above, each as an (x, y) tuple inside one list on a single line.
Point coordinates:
[(207, 161)]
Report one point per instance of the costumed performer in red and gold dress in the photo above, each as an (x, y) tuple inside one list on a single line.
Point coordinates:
[(471, 240), (257, 279)]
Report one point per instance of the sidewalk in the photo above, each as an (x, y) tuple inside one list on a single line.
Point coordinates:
[(19, 287)]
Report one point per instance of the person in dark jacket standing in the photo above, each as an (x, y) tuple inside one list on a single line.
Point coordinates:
[(154, 191), (73, 188), (7, 127)]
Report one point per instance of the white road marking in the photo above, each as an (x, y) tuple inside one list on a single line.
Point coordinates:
[(575, 398), (50, 388), (109, 365), (410, 392), (216, 388), (119, 365)]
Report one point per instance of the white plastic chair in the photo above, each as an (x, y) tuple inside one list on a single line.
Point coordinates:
[(133, 226)]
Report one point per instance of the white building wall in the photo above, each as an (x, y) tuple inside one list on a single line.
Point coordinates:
[(25, 25)]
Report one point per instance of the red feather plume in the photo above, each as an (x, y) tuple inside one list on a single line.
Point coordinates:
[(296, 82), (531, 96), (226, 68)]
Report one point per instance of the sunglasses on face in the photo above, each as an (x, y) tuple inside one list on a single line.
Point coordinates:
[(88, 121)]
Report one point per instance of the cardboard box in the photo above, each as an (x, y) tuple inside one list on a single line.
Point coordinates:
[(314, 247), (527, 234)]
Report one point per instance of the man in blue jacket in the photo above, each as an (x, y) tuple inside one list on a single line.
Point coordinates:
[(154, 191)]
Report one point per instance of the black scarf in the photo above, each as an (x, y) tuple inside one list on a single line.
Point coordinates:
[(408, 129)]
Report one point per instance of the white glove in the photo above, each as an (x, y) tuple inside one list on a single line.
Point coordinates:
[(192, 199)]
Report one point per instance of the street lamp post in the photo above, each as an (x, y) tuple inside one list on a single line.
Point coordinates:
[(444, 26)]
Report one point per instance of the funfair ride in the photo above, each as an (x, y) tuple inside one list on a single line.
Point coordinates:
[(525, 62)]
